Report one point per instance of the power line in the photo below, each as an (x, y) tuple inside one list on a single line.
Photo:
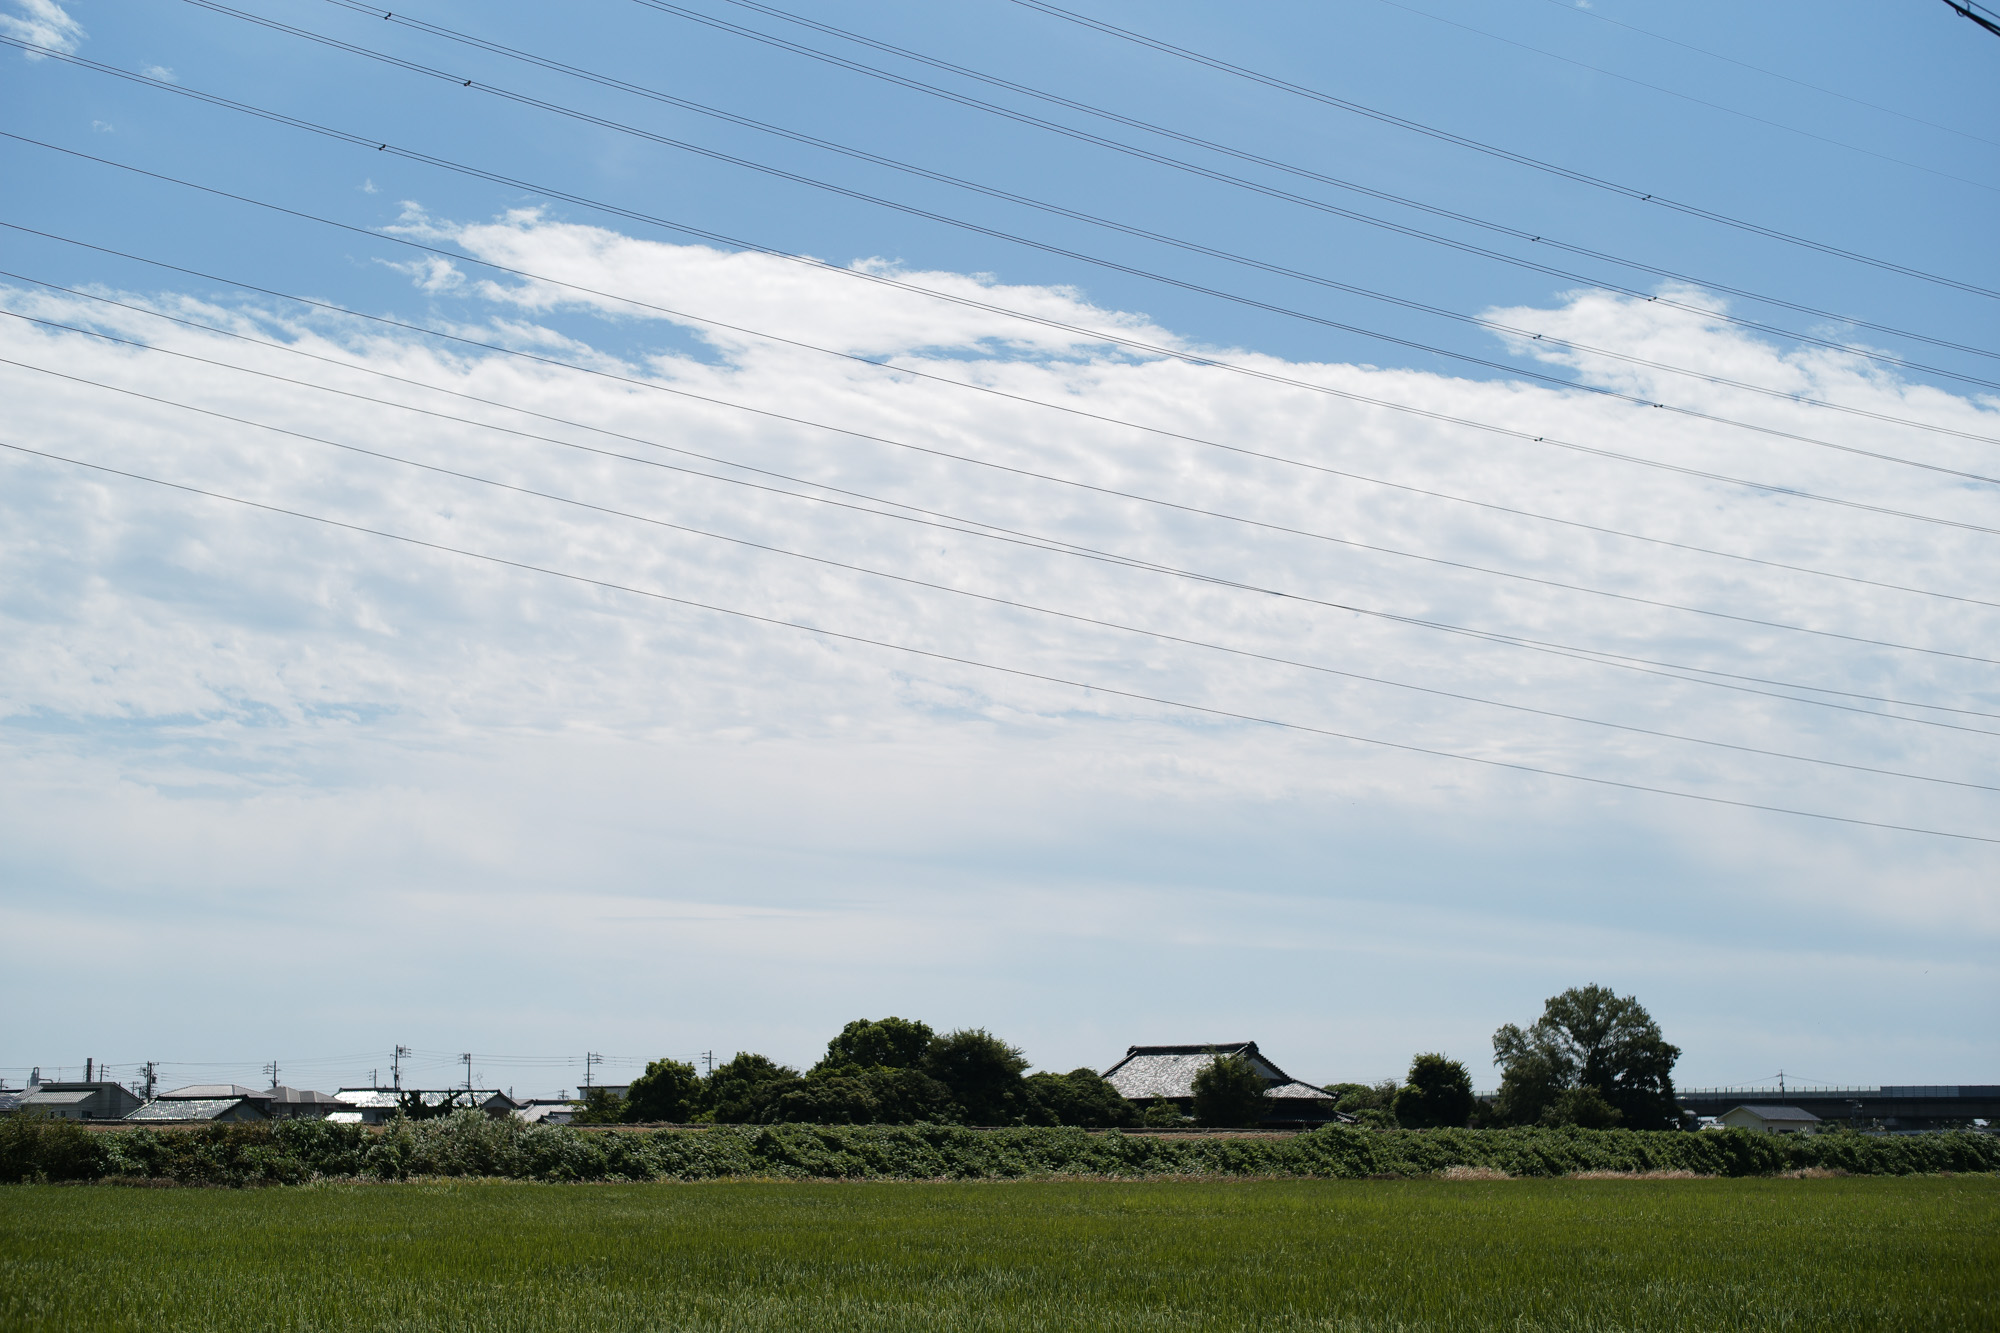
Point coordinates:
[(1977, 13), (1570, 8), (1011, 603), (1012, 536), (1685, 97), (1040, 205), (1094, 335), (1051, 544), (1508, 155), (1132, 150), (905, 370), (1016, 672)]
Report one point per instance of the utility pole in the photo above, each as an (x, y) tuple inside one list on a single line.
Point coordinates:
[(272, 1070), (396, 1066), (467, 1057), (152, 1074), (589, 1058), (708, 1061)]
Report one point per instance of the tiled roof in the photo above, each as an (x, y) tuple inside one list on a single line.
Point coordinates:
[(1779, 1112), (47, 1098), (186, 1108), (283, 1096), (1168, 1071), (213, 1090)]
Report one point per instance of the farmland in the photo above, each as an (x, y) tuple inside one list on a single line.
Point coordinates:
[(1598, 1254)]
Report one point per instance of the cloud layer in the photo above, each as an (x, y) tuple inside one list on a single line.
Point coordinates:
[(368, 725)]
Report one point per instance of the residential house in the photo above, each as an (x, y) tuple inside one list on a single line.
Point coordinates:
[(1771, 1119), (1166, 1073), (95, 1100)]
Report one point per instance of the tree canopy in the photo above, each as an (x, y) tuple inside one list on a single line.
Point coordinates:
[(668, 1091), (1228, 1092), (1588, 1037), (1437, 1094)]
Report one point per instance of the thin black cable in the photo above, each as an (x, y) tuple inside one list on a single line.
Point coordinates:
[(1305, 173), (1512, 370), (1685, 97), (1570, 8), (1026, 473), (1076, 215), (975, 528), (1507, 155), (899, 369), (1971, 11), (1016, 672), (992, 599)]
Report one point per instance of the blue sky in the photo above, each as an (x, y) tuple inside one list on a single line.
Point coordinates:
[(330, 793)]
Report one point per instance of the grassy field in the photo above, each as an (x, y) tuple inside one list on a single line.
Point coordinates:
[(1598, 1255)]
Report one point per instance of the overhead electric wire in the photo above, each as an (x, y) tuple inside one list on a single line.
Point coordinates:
[(1686, 97), (1977, 13), (1213, 252), (1303, 172), (1018, 673), (1631, 192), (993, 532), (893, 368), (1012, 603), (883, 279), (974, 460), (1133, 150), (1568, 7)]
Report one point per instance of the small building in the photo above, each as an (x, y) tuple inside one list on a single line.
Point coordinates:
[(1770, 1119), (198, 1110), (283, 1103), (1166, 1074), (80, 1101), (375, 1106), (547, 1110)]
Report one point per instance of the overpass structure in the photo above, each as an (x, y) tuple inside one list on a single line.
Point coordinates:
[(1908, 1107)]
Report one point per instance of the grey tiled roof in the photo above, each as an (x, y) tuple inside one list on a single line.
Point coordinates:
[(57, 1098), (1168, 1071), (213, 1090), (186, 1108)]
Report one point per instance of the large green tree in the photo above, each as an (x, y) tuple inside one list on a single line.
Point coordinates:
[(1437, 1094), (739, 1090), (984, 1075), (878, 1043), (1228, 1092), (668, 1091), (1587, 1037), (1081, 1097)]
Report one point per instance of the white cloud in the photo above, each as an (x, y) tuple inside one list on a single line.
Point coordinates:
[(45, 23), (373, 728), (162, 73)]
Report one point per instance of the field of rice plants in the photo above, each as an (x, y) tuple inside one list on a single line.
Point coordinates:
[(1566, 1254)]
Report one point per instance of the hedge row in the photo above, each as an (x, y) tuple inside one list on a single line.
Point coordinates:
[(470, 1144)]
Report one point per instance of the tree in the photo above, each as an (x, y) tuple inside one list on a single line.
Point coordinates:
[(598, 1106), (1588, 1037), (738, 1090), (1438, 1094), (668, 1090), (1371, 1104), (1081, 1097), (984, 1075), (1228, 1091), (868, 1097), (1583, 1106), (883, 1043)]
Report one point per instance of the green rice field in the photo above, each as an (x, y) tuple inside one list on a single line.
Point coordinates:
[(1572, 1254)]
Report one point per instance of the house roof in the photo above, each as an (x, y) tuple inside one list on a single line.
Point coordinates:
[(188, 1108), (1168, 1071), (1778, 1113), (59, 1097), (210, 1091), (284, 1096)]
